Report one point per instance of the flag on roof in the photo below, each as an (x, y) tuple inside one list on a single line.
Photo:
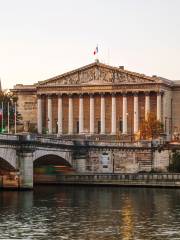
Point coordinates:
[(96, 50)]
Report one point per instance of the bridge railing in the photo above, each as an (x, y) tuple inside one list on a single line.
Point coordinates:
[(9, 137), (54, 140)]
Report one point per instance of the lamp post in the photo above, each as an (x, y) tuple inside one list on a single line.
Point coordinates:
[(113, 162), (8, 117), (2, 117), (15, 119)]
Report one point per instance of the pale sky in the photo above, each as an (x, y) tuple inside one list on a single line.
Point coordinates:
[(40, 39)]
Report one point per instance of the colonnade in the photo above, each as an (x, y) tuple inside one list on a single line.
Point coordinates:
[(92, 113)]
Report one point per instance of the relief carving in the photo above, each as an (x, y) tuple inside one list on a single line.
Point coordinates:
[(97, 74)]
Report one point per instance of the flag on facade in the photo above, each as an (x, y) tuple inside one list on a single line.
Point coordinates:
[(1, 111), (96, 50)]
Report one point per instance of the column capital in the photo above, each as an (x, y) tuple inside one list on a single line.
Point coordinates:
[(113, 94), (81, 95), (49, 96), (147, 93), (59, 95), (70, 95), (102, 94), (124, 94), (136, 94), (39, 96), (91, 95), (160, 93)]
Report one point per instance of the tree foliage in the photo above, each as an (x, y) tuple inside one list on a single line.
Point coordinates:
[(5, 98), (175, 162), (150, 128)]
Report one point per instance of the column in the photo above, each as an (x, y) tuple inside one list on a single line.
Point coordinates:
[(81, 115), (147, 105), (136, 113), (39, 115), (91, 124), (113, 115), (159, 106), (49, 114), (70, 116), (102, 114), (124, 114), (60, 115)]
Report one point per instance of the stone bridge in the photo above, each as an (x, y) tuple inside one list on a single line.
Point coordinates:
[(19, 152)]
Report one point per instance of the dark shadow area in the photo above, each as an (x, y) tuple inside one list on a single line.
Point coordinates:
[(9, 177), (50, 160), (5, 166), (48, 167)]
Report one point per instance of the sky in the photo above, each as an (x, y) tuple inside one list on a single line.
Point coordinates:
[(40, 39)]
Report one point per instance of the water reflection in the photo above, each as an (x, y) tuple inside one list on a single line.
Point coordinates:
[(67, 212)]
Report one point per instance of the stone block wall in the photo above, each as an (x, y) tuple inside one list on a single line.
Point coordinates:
[(27, 107), (125, 161)]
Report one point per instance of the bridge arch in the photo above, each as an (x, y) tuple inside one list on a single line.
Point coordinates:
[(8, 155), (49, 166), (51, 159), (63, 155), (6, 166)]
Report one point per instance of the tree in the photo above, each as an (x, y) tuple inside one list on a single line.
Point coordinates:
[(5, 98), (150, 128), (175, 162)]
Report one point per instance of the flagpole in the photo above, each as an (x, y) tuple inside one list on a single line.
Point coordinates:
[(2, 119), (8, 117), (97, 52), (15, 117)]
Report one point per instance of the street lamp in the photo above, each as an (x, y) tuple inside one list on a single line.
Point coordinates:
[(113, 163)]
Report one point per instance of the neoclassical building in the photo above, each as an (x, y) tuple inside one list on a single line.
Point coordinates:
[(99, 99)]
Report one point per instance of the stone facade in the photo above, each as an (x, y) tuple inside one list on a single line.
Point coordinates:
[(99, 99), (124, 161), (27, 105)]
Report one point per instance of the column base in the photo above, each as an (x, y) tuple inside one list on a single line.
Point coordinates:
[(113, 133), (59, 134)]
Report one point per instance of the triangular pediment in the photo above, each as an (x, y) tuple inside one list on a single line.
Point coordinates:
[(98, 74)]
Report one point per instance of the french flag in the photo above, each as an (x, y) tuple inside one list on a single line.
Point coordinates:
[(96, 50), (1, 113)]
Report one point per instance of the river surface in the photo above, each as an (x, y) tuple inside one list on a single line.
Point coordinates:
[(67, 212)]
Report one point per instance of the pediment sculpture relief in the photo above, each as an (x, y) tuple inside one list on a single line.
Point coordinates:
[(97, 75)]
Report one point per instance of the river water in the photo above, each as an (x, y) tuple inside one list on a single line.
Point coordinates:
[(72, 212)]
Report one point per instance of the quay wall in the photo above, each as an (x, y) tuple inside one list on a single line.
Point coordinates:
[(139, 180)]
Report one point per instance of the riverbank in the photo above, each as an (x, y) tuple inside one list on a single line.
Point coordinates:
[(170, 180), (137, 180)]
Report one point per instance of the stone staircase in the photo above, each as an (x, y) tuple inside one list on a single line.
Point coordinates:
[(144, 160)]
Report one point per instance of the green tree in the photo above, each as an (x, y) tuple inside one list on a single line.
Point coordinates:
[(5, 98), (174, 166)]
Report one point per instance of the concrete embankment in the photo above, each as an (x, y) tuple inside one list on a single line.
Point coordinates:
[(140, 180)]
